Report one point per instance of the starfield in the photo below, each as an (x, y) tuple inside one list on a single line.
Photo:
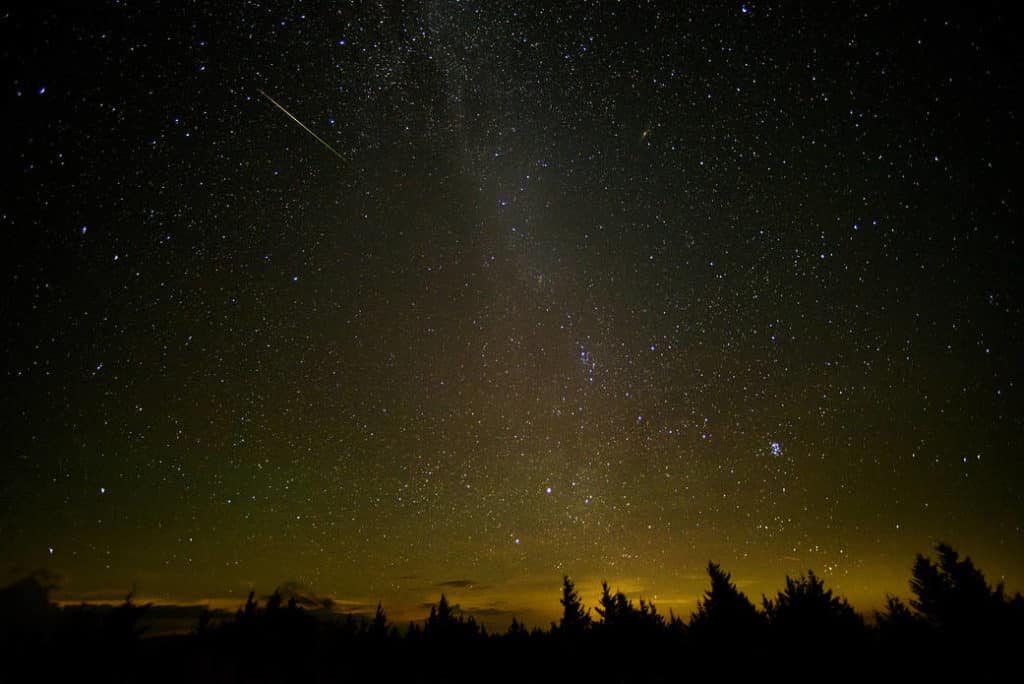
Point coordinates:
[(363, 303)]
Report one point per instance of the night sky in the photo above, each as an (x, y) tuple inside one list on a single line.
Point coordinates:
[(607, 289)]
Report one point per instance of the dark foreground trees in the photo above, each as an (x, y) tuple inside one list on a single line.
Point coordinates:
[(806, 611), (725, 612), (954, 606), (804, 630), (575, 618)]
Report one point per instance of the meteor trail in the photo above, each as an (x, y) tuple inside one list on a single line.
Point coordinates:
[(304, 126)]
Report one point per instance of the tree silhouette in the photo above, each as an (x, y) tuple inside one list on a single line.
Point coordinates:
[(618, 614), (953, 612), (248, 613), (805, 609), (649, 617), (896, 616), (676, 626), (953, 601), (379, 628), (274, 602), (575, 619), (952, 594), (613, 608), (443, 624), (26, 613), (899, 627), (517, 631), (440, 620), (725, 610)]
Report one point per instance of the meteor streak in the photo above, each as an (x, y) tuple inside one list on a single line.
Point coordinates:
[(304, 126)]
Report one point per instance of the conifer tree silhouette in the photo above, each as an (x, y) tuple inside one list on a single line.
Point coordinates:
[(805, 609), (612, 608), (620, 616), (725, 610), (953, 593), (274, 602), (380, 622), (953, 599), (575, 619), (517, 631), (248, 613), (440, 620)]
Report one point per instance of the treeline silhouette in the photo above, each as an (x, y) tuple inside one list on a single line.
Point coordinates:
[(954, 620)]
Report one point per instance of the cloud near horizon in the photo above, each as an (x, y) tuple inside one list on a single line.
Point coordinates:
[(459, 584)]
